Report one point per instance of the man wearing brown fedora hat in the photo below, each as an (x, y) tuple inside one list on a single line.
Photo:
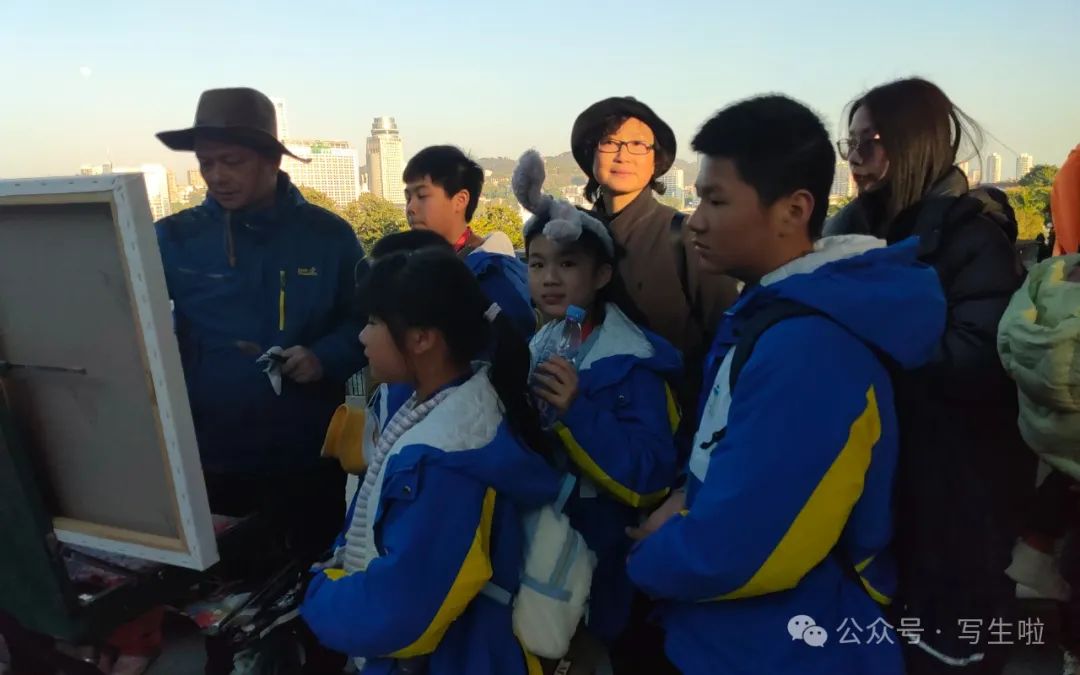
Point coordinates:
[(256, 271)]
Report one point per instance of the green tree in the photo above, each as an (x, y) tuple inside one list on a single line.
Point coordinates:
[(1040, 176), (836, 206), (499, 218), (319, 199), (1031, 224), (1036, 199), (1029, 204), (373, 217)]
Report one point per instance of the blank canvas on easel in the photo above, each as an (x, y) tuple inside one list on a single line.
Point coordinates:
[(81, 286)]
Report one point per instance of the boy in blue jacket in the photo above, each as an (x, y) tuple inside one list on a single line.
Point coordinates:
[(442, 191), (774, 559)]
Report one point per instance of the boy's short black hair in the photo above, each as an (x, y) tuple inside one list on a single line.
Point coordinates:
[(451, 169), (778, 146)]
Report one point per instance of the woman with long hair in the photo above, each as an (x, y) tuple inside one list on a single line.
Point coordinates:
[(964, 473)]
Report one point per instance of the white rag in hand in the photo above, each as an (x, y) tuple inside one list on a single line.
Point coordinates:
[(273, 368)]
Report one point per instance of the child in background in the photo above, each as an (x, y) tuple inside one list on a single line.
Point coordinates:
[(442, 192), (1038, 339), (440, 511), (616, 413)]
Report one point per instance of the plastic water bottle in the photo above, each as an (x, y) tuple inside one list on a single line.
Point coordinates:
[(565, 343)]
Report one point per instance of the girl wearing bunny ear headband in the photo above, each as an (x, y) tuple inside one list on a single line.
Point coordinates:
[(616, 413), (571, 255)]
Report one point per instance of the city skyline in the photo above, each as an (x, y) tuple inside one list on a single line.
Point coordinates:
[(73, 102)]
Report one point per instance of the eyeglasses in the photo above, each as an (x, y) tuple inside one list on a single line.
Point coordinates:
[(611, 146), (846, 146)]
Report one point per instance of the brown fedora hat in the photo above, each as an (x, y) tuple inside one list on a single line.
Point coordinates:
[(240, 115)]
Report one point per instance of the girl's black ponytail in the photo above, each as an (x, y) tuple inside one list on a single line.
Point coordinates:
[(510, 364), (432, 288)]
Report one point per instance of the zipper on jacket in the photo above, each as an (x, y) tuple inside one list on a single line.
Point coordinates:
[(281, 303)]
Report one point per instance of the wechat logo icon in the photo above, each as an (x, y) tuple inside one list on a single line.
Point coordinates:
[(805, 629)]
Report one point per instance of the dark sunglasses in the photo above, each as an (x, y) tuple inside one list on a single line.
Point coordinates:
[(846, 146)]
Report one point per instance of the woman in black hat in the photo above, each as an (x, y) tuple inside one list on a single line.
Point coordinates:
[(624, 148)]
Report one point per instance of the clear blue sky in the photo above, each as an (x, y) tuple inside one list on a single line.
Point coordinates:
[(499, 77)]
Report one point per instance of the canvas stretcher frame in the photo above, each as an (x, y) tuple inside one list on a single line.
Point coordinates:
[(160, 512)]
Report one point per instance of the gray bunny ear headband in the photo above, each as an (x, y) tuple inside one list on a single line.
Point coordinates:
[(557, 219)]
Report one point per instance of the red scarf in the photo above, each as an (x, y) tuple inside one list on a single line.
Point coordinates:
[(463, 239), (587, 328)]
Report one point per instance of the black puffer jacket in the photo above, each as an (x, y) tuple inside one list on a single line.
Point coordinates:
[(965, 476)]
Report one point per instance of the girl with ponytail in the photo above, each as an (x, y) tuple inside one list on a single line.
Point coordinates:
[(440, 511)]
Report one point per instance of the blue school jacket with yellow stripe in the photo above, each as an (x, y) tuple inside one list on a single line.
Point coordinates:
[(618, 437), (790, 479), (448, 520)]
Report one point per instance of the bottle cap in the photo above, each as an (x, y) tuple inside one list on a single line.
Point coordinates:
[(575, 313)]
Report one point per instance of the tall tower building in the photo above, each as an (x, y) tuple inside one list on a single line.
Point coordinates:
[(282, 119), (385, 161), (993, 169), (1024, 164), (174, 191)]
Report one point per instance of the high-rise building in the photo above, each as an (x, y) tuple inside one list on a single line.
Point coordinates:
[(195, 179), (1024, 164), (993, 168), (334, 168), (843, 182), (965, 167), (174, 193), (156, 178), (976, 178), (282, 119), (385, 161), (674, 182)]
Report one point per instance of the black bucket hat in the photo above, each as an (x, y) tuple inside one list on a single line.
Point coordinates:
[(620, 106)]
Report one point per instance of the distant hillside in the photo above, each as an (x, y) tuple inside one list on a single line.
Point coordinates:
[(562, 170)]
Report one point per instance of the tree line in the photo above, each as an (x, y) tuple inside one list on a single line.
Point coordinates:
[(373, 217)]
